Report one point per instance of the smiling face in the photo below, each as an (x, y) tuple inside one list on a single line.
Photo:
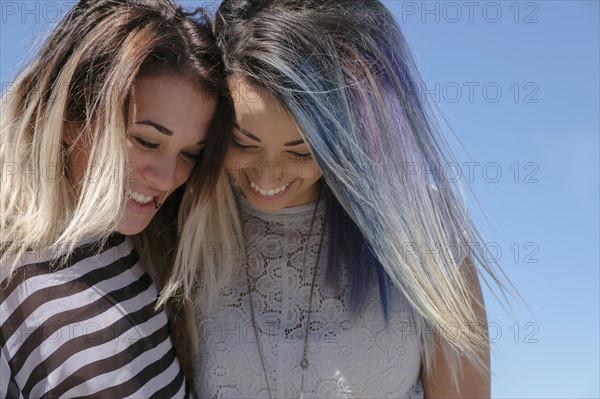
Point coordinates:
[(167, 124), (268, 159)]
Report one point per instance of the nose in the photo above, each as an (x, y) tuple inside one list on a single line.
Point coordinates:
[(162, 174), (267, 172)]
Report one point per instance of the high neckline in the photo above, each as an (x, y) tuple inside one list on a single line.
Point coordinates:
[(294, 210)]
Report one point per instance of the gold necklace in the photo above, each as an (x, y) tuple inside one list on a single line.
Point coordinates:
[(304, 361)]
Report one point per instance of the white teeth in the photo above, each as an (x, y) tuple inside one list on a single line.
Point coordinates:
[(137, 197), (270, 192)]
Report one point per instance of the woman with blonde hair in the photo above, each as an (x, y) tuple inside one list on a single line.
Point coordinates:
[(123, 104)]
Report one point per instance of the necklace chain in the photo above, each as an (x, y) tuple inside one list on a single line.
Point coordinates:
[(304, 361)]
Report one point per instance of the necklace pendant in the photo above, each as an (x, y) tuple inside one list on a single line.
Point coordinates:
[(304, 363)]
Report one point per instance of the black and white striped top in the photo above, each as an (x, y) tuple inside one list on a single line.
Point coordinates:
[(85, 328)]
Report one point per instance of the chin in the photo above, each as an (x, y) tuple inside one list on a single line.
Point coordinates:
[(131, 229), (267, 206), (256, 202)]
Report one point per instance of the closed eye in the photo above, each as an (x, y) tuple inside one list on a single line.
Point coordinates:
[(298, 155), (145, 143), (240, 146), (190, 156)]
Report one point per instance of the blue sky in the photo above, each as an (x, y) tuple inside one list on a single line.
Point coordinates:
[(534, 109), (518, 81)]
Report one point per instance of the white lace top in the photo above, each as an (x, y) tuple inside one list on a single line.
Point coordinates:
[(350, 355)]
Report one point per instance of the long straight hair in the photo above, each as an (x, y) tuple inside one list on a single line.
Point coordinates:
[(345, 74), (81, 81)]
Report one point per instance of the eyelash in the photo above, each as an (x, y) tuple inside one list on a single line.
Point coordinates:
[(152, 146), (145, 143), (296, 155), (192, 157), (302, 157), (239, 146)]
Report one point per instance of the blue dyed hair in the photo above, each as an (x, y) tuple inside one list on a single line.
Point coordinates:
[(345, 74), (347, 246), (309, 88)]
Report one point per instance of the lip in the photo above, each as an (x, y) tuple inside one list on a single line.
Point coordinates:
[(144, 208), (269, 197), (137, 206)]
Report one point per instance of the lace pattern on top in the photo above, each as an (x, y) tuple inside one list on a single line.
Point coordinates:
[(350, 356)]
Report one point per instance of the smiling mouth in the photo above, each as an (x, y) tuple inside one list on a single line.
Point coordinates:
[(271, 192), (141, 198)]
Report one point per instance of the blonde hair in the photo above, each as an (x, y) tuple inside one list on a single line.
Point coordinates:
[(80, 81)]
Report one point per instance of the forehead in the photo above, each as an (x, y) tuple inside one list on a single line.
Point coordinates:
[(258, 112), (173, 102)]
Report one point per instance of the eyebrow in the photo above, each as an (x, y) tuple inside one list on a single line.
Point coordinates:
[(162, 129), (155, 125), (253, 137)]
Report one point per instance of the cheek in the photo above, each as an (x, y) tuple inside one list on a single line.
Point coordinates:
[(135, 158), (309, 171), (231, 161), (237, 161), (183, 172), (137, 166)]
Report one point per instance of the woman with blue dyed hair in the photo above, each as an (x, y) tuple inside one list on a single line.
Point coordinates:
[(356, 275)]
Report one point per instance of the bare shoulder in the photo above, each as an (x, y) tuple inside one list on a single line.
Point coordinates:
[(473, 382)]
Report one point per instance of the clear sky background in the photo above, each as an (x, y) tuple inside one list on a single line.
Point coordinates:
[(518, 81)]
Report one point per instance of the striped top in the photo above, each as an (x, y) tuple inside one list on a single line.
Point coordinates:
[(85, 327)]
